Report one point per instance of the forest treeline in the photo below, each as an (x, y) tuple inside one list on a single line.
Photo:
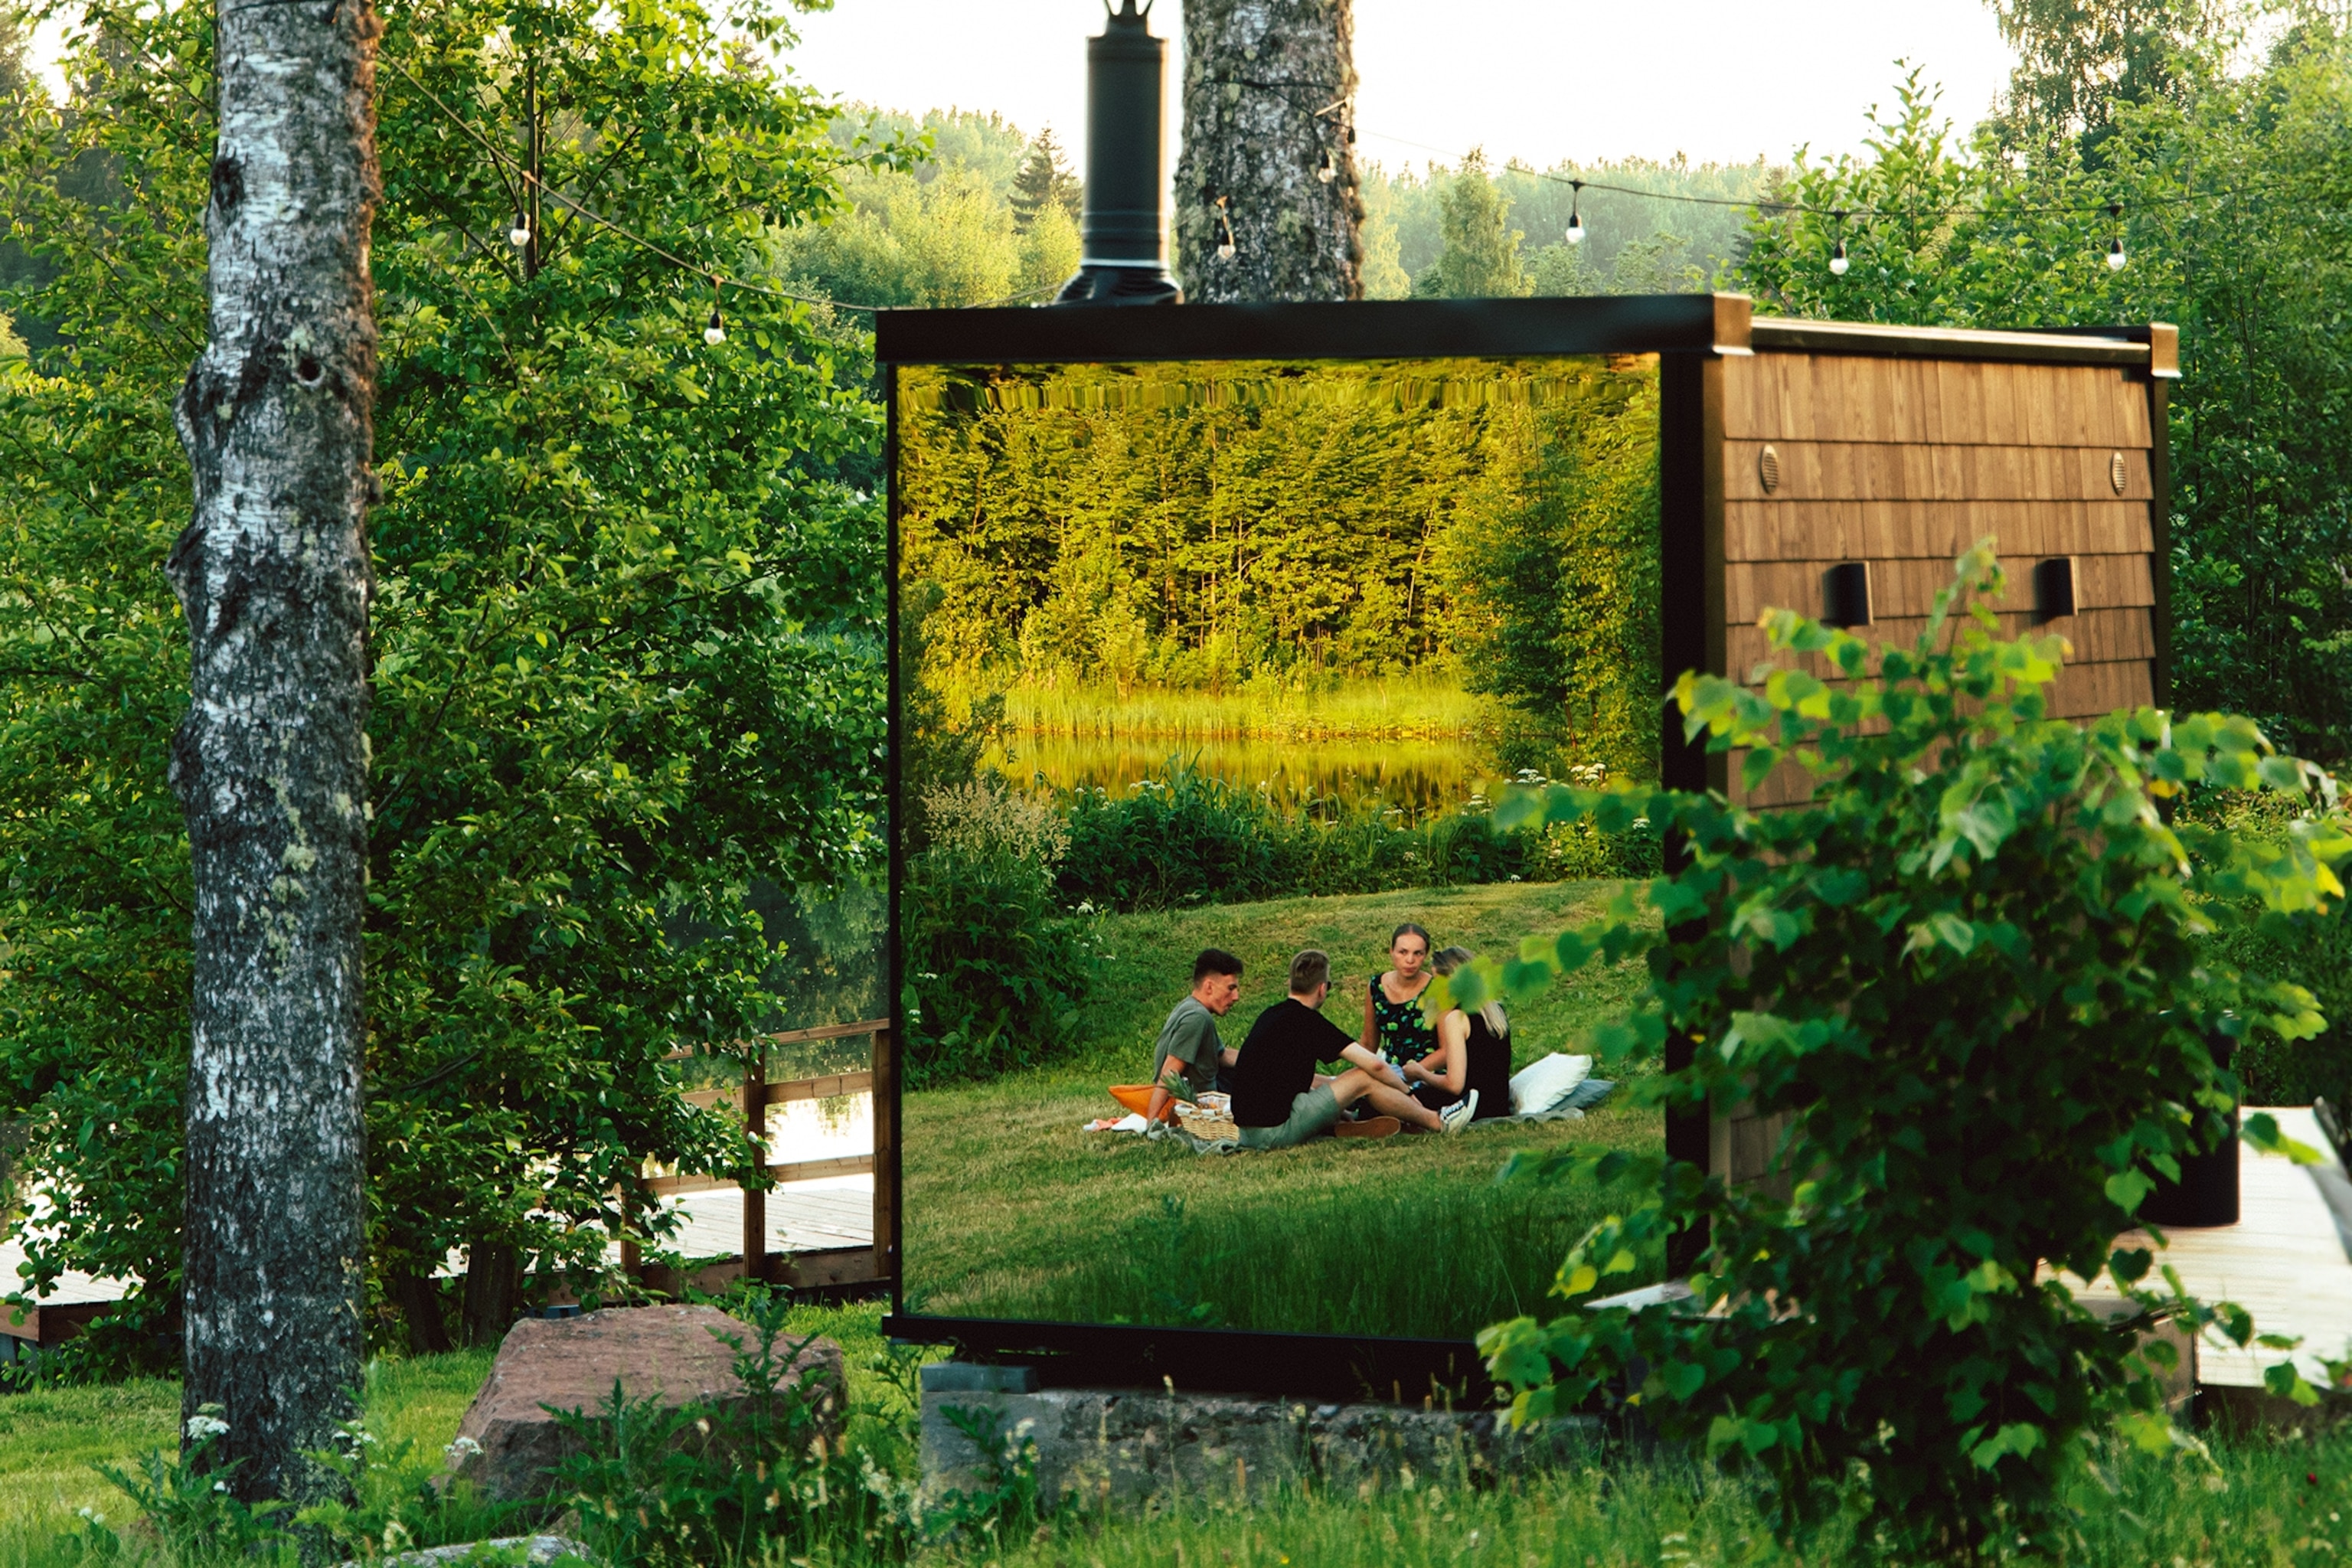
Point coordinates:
[(992, 214), (1207, 526)]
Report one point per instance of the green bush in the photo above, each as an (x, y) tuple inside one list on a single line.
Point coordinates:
[(2315, 953), (1189, 837), (1976, 976), (995, 969), (776, 1477)]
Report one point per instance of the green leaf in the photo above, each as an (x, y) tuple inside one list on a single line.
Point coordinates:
[(2127, 1188)]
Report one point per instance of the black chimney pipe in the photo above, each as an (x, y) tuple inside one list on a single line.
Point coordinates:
[(1123, 257)]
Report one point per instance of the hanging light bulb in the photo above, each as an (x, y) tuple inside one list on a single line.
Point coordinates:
[(1838, 263), (518, 235), (716, 332), (1226, 248), (1326, 170), (1575, 212), (2115, 258)]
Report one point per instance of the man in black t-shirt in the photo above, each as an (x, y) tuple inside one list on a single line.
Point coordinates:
[(1280, 1100)]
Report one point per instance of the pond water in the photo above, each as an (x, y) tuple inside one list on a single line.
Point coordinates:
[(1420, 777)]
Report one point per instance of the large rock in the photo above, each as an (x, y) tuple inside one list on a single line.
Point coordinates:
[(510, 1441)]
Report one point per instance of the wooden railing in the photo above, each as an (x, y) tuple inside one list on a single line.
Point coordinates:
[(756, 1094)]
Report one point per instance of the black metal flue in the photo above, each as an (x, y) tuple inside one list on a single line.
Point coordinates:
[(1124, 255)]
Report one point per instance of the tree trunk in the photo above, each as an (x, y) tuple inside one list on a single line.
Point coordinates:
[(270, 763), (420, 1305), (493, 1283), (1269, 91)]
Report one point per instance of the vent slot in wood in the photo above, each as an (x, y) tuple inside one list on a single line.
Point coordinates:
[(1846, 595)]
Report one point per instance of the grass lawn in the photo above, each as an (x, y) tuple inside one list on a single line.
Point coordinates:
[(2269, 1500), (1011, 1211), (53, 1439)]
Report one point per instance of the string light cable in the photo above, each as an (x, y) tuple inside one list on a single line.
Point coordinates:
[(1777, 207), (715, 334)]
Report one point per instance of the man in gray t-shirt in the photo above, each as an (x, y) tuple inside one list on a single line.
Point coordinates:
[(1189, 1046)]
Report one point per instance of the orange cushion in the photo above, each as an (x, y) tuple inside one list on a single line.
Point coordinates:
[(1137, 1097)]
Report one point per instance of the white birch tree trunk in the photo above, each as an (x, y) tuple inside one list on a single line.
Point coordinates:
[(1269, 91), (270, 763)]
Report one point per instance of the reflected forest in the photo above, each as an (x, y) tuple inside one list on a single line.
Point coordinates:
[(1207, 632)]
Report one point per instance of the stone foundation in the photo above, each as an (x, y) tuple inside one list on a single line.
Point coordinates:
[(1126, 1444)]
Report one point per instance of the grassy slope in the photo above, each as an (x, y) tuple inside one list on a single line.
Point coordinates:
[(1013, 1212)]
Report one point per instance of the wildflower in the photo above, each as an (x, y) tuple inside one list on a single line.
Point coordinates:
[(463, 1449), (203, 1427)]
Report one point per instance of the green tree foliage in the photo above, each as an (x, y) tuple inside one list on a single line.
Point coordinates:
[(1200, 526), (950, 230), (1975, 974), (1481, 258), (626, 631), (1552, 577), (2081, 61), (1692, 213), (1044, 181)]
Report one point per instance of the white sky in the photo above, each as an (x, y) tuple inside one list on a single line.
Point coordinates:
[(1538, 80)]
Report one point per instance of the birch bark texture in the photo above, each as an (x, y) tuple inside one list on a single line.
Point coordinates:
[(271, 763), (1269, 95)]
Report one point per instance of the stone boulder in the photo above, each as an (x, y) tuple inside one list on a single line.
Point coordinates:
[(508, 1441)]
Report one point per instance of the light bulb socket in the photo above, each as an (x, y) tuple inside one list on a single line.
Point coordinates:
[(1326, 170)]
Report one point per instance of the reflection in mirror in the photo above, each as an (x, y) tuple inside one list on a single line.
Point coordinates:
[(1206, 668)]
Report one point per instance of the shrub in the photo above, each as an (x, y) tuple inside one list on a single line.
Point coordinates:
[(2316, 953), (757, 1482), (994, 970), (1976, 975), (1189, 837), (1186, 837)]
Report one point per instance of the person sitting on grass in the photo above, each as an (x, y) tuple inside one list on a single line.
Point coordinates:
[(1189, 1053), (1393, 1024), (1280, 1100), (1473, 1059)]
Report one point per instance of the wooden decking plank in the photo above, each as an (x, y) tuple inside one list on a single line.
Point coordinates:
[(2283, 1262)]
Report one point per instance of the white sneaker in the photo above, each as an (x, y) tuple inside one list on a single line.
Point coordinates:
[(1457, 1115)]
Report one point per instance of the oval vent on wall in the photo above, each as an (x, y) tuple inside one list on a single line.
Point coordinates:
[(1767, 469), (2119, 472)]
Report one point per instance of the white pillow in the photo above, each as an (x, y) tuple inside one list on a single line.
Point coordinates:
[(1539, 1086)]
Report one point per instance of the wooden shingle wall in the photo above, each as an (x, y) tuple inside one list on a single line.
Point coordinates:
[(1904, 463)]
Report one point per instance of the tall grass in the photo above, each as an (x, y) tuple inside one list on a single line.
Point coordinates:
[(2272, 1500), (1269, 706), (1422, 1260)]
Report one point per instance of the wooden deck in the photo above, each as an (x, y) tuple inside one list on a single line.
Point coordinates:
[(2282, 1261), (829, 1215)]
